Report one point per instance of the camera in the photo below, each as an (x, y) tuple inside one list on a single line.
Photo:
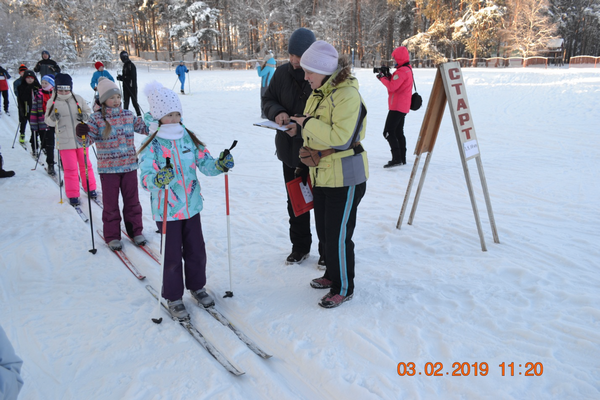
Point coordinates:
[(383, 70)]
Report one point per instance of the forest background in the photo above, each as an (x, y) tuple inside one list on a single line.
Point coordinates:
[(97, 30)]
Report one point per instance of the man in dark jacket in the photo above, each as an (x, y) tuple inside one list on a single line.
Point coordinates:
[(46, 66), (286, 95), (129, 79)]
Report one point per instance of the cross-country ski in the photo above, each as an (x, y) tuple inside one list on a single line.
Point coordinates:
[(192, 330)]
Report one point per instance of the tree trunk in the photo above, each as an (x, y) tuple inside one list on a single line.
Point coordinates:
[(154, 34), (389, 40)]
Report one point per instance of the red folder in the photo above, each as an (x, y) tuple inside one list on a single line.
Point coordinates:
[(300, 195)]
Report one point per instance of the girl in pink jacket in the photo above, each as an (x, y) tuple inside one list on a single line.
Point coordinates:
[(399, 86)]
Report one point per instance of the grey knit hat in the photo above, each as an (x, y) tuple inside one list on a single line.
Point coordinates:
[(300, 40), (321, 57)]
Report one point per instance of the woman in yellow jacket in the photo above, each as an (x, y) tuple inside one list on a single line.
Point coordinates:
[(334, 123)]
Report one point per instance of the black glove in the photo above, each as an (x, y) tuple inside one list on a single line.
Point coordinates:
[(81, 130), (302, 171), (120, 78)]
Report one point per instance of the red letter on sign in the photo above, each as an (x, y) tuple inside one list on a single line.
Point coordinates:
[(462, 118), (461, 104), (457, 87), (467, 134), (453, 74)]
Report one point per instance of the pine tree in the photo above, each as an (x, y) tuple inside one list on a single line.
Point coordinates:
[(101, 50), (66, 49), (479, 29), (195, 29)]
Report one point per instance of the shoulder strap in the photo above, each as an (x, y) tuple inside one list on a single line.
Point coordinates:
[(413, 78)]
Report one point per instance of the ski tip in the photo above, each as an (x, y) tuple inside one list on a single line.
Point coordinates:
[(157, 320), (228, 294)]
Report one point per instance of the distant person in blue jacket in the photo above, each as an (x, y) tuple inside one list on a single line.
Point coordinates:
[(266, 72), (99, 72), (181, 70), (10, 369)]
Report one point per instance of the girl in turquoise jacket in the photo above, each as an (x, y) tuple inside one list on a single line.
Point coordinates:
[(265, 72), (171, 140)]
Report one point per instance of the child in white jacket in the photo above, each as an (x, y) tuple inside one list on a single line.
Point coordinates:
[(64, 111)]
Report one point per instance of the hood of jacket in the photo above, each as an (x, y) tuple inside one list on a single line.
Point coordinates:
[(400, 54), (327, 87)]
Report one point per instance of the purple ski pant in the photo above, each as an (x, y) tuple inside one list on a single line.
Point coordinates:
[(127, 184), (184, 241)]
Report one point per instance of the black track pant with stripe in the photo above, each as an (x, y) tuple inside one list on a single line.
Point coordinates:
[(335, 217)]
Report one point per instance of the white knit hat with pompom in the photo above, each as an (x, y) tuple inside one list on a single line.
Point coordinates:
[(162, 100)]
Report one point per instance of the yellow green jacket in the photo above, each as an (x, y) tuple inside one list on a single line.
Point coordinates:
[(338, 119)]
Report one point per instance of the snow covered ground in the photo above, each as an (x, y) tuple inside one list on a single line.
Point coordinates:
[(424, 294)]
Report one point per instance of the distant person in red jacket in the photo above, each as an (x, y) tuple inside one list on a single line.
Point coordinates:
[(4, 77), (399, 86)]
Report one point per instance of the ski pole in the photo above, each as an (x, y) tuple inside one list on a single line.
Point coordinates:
[(58, 165), (228, 293), (16, 134), (13, 94), (163, 242), (39, 153), (133, 98), (87, 184), (189, 83), (176, 79)]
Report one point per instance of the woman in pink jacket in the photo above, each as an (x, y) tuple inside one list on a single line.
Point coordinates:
[(399, 86)]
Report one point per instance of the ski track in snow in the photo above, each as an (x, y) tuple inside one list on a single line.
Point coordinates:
[(424, 293)]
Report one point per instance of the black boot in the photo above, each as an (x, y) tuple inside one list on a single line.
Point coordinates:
[(3, 173), (396, 159), (51, 170)]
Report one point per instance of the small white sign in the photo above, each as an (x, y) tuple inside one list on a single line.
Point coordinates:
[(471, 149), (306, 192)]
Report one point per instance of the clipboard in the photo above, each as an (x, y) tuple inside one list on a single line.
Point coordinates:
[(271, 125), (301, 195)]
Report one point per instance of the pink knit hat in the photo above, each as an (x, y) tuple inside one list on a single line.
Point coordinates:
[(106, 90)]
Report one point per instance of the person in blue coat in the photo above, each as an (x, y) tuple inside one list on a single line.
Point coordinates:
[(10, 369), (100, 71), (265, 72), (181, 70)]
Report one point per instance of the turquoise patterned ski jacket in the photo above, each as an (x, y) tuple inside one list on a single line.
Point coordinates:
[(185, 199)]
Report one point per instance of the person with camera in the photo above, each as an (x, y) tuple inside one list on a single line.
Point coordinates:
[(285, 96), (129, 79), (399, 87), (333, 126)]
